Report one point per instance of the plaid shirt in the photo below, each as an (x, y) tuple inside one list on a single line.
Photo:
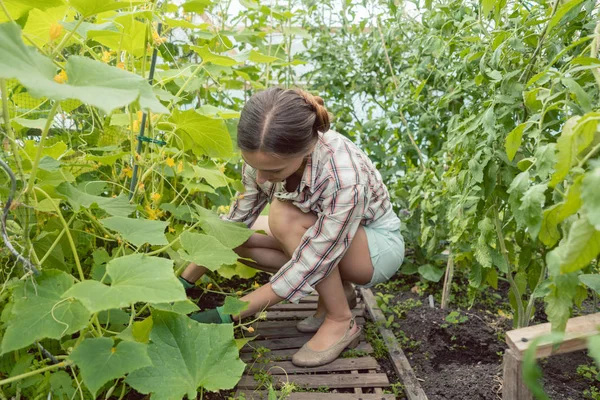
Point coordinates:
[(342, 187)]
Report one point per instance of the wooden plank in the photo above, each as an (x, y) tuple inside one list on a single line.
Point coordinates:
[(286, 354), (278, 344), (376, 390), (299, 306), (357, 390), (513, 387), (273, 315), (287, 323), (310, 299), (338, 381), (264, 395), (575, 338), (339, 365), (412, 388)]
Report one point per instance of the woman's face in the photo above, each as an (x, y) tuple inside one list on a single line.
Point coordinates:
[(271, 167)]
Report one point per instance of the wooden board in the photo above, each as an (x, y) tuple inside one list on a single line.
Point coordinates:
[(299, 306), (332, 381), (576, 334), (278, 344), (412, 388), (288, 323), (286, 354), (264, 395), (513, 387), (276, 315), (339, 365)]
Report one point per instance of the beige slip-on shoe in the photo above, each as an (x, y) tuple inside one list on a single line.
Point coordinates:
[(313, 323), (306, 357)]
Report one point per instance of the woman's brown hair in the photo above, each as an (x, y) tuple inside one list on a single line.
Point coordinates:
[(282, 121)]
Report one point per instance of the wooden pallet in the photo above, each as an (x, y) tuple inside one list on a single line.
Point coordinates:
[(359, 377)]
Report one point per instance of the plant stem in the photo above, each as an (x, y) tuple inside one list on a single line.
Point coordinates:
[(67, 231), (55, 243), (65, 39), (594, 52), (8, 128), (540, 41), (33, 373), (511, 281), (531, 302), (396, 85), (40, 150)]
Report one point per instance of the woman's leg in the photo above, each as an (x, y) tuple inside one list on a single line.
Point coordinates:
[(288, 224)]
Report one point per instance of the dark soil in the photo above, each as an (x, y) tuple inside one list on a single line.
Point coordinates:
[(463, 360)]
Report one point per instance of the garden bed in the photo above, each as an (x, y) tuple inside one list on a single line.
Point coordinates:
[(457, 353)]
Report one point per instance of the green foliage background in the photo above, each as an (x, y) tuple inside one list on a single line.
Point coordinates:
[(481, 116)]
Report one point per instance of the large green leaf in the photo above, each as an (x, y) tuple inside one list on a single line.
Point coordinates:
[(40, 22), (201, 134), (39, 311), (590, 196), (134, 278), (87, 8), (561, 12), (581, 247), (130, 36), (100, 360), (187, 355), (231, 234), (118, 206), (205, 250), (138, 231), (577, 134), (90, 81)]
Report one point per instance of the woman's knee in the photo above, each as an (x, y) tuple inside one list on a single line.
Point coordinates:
[(286, 219)]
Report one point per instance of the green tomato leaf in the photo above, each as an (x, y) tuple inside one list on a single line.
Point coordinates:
[(138, 231), (202, 134), (230, 234), (135, 278), (592, 281), (581, 247), (577, 134), (187, 355), (513, 140), (118, 206), (559, 300), (100, 360), (431, 273), (39, 311), (594, 348), (205, 250), (557, 213), (590, 196), (92, 82), (531, 208)]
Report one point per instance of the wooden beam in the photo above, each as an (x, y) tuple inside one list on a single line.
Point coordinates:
[(272, 315), (264, 395), (412, 388), (513, 387), (339, 365), (576, 334), (338, 381), (286, 354)]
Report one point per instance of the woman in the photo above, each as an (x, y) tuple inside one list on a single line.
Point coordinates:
[(330, 222)]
